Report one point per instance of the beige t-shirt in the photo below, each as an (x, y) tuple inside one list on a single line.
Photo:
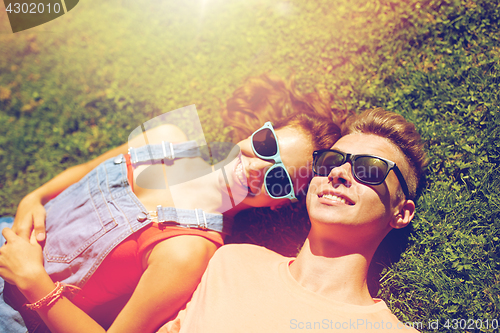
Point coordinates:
[(247, 288)]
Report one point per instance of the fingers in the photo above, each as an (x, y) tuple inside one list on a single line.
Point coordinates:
[(9, 235), (39, 224), (34, 218), (20, 226), (33, 239)]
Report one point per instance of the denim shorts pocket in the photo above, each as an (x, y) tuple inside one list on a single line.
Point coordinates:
[(78, 217)]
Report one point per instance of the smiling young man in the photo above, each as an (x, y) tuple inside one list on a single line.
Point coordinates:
[(365, 186)]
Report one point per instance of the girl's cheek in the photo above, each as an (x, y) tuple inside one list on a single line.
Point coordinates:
[(255, 186)]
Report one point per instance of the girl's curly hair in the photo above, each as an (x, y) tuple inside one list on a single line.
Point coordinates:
[(269, 98)]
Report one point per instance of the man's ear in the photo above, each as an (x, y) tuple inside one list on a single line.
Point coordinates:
[(403, 214)]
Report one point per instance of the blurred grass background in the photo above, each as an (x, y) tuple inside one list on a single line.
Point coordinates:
[(75, 87)]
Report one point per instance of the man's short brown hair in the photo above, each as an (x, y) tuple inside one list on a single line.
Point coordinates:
[(402, 134)]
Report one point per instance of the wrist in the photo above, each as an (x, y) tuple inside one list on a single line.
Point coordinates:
[(35, 285), (46, 302), (36, 195)]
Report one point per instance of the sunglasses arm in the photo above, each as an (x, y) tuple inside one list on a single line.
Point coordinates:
[(402, 181)]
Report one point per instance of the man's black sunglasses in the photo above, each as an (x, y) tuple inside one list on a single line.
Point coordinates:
[(367, 169)]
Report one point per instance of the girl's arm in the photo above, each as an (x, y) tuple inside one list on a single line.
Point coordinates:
[(173, 270), (31, 213)]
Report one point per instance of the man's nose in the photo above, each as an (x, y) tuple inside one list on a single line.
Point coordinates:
[(341, 175)]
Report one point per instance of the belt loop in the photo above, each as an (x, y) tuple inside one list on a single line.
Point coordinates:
[(134, 158), (159, 213), (197, 218), (172, 154), (130, 154), (205, 219), (164, 149)]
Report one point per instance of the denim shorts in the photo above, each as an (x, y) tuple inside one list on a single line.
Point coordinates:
[(88, 220), (83, 223)]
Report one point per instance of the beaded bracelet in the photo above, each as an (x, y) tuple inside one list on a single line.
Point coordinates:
[(51, 297)]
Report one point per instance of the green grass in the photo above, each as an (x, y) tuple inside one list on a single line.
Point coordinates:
[(75, 87)]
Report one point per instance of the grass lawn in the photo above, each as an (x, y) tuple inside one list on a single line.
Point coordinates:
[(77, 86)]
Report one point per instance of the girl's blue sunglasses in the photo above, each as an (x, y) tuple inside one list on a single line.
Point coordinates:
[(278, 182)]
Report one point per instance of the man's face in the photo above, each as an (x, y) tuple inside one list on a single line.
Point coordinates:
[(340, 199)]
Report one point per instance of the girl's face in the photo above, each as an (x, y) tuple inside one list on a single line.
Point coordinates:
[(246, 174)]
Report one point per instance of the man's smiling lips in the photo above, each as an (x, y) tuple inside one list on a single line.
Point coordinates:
[(335, 197)]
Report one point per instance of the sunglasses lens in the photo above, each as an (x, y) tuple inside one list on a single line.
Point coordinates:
[(326, 161), (278, 183), (265, 143), (370, 169)]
